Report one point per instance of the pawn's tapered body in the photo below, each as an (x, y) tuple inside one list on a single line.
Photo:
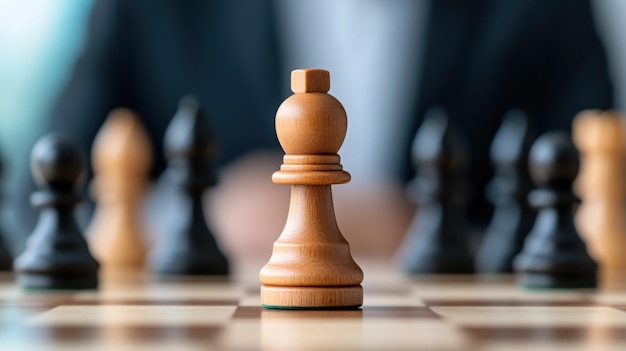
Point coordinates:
[(438, 239), (508, 191), (554, 255), (188, 246), (56, 255), (433, 244), (321, 252), (311, 265)]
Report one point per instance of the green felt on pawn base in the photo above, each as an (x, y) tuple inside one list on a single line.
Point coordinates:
[(556, 281), (311, 297), (333, 308), (40, 282)]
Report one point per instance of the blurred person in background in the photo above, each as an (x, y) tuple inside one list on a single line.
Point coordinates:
[(389, 60)]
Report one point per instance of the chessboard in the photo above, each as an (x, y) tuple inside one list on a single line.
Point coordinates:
[(455, 312)]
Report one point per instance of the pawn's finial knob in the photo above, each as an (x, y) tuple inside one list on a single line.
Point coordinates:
[(310, 80)]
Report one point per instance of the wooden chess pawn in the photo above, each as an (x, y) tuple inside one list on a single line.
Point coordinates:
[(554, 255), (121, 160), (601, 139), (438, 239), (56, 255), (311, 265)]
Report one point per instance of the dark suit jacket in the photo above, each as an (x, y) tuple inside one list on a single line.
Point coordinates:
[(146, 55), (484, 57), (481, 58)]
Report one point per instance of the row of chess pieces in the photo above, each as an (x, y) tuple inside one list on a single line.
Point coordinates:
[(57, 256), (532, 232), (539, 228)]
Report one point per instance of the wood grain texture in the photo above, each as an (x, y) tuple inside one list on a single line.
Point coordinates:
[(398, 313), (311, 265), (601, 138), (122, 157)]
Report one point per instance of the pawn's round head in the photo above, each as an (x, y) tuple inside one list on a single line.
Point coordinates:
[(189, 134), (311, 121), (438, 143), (57, 163), (554, 160)]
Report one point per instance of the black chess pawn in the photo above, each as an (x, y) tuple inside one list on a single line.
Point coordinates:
[(188, 246), (6, 261), (554, 255), (508, 191), (438, 238), (56, 254)]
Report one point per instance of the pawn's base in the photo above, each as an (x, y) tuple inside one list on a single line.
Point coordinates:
[(57, 281), (547, 280), (332, 297)]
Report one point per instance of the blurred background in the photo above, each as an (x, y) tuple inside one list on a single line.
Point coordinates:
[(41, 41)]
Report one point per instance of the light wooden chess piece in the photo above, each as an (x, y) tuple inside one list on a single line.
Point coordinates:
[(601, 138), (121, 159), (311, 265)]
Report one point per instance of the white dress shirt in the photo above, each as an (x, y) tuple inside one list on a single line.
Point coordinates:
[(372, 50)]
